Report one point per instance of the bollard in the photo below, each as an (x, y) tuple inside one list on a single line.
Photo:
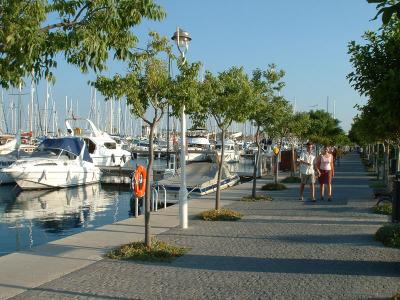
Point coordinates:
[(396, 199)]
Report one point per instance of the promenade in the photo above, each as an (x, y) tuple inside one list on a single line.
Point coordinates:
[(284, 249)]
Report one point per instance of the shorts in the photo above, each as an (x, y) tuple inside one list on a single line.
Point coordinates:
[(325, 177), (307, 179)]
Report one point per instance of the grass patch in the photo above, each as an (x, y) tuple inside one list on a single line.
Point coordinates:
[(273, 187), (383, 208), (291, 179), (159, 251), (389, 235), (222, 214), (257, 198)]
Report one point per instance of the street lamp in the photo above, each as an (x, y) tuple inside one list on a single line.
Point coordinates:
[(182, 39)]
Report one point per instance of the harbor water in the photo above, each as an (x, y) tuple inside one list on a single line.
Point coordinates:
[(31, 218)]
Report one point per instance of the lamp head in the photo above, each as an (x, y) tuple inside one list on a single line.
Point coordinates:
[(182, 39)]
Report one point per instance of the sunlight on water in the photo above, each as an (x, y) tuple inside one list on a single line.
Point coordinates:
[(30, 218)]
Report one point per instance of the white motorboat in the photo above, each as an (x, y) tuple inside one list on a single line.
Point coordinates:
[(231, 151), (198, 145), (8, 143), (57, 163), (103, 149), (6, 161)]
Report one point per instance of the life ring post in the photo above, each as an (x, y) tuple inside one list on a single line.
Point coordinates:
[(139, 181)]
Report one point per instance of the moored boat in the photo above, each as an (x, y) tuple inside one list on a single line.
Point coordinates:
[(57, 163)]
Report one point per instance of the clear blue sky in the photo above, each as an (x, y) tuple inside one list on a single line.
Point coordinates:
[(308, 39)]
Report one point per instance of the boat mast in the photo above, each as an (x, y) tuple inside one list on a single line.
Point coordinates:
[(31, 108), (46, 107), (2, 113), (111, 115)]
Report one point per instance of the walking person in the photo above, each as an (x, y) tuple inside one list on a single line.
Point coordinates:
[(326, 171), (307, 171)]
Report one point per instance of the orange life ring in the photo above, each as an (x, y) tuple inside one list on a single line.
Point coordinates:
[(139, 183)]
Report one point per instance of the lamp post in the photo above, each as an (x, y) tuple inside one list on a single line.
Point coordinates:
[(182, 39)]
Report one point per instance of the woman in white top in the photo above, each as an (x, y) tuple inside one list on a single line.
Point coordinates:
[(325, 170)]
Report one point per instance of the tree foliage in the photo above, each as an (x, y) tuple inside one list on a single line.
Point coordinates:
[(387, 9), (227, 98), (85, 32), (324, 129), (376, 75)]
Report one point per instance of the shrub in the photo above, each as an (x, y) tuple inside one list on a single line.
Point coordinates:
[(257, 198), (274, 187), (159, 251), (291, 179), (383, 209), (389, 235), (222, 214)]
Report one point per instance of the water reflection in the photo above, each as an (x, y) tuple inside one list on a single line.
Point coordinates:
[(30, 218)]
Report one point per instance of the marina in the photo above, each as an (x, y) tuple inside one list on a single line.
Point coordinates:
[(31, 218)]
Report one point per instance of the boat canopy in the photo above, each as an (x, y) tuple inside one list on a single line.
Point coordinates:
[(71, 144)]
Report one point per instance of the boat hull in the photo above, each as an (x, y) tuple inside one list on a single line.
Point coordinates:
[(5, 179), (48, 179)]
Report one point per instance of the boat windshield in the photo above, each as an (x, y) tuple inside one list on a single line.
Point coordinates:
[(53, 153)]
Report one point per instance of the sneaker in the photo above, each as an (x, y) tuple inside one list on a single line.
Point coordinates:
[(301, 199), (330, 199), (314, 200)]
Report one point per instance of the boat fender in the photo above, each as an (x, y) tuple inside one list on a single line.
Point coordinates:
[(139, 181), (113, 158), (123, 158)]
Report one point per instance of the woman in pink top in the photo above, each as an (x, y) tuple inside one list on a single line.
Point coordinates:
[(325, 171)]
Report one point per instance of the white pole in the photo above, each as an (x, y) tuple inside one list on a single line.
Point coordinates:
[(183, 204), (183, 190)]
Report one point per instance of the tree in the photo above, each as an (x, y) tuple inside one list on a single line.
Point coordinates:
[(34, 32), (387, 8), (376, 75), (146, 86), (278, 124), (265, 85), (323, 128), (227, 98), (299, 124)]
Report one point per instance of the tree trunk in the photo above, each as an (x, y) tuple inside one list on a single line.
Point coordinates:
[(377, 162), (293, 166), (221, 161), (256, 163), (386, 168), (147, 237), (384, 162), (398, 159), (277, 167)]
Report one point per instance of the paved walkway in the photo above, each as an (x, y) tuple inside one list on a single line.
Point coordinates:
[(282, 249)]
